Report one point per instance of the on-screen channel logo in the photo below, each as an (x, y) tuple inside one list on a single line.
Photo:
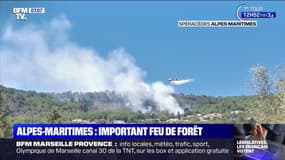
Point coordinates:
[(21, 13)]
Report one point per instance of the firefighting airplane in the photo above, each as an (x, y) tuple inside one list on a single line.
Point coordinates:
[(176, 81)]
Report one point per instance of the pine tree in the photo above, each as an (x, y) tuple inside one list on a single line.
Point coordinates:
[(54, 116)]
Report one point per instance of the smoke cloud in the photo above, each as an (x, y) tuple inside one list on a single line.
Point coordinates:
[(43, 58)]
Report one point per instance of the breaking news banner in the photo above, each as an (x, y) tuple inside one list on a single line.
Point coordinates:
[(120, 141), (145, 141), (22, 131)]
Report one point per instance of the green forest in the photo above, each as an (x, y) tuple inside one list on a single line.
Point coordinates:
[(19, 106)]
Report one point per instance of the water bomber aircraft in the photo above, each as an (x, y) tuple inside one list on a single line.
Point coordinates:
[(176, 81)]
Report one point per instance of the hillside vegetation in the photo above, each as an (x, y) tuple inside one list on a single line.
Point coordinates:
[(19, 106), (267, 106)]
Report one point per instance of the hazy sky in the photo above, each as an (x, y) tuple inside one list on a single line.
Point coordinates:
[(217, 58)]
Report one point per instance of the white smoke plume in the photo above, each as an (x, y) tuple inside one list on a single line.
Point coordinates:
[(43, 58)]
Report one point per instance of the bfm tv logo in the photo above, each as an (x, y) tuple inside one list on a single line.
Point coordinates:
[(21, 13)]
